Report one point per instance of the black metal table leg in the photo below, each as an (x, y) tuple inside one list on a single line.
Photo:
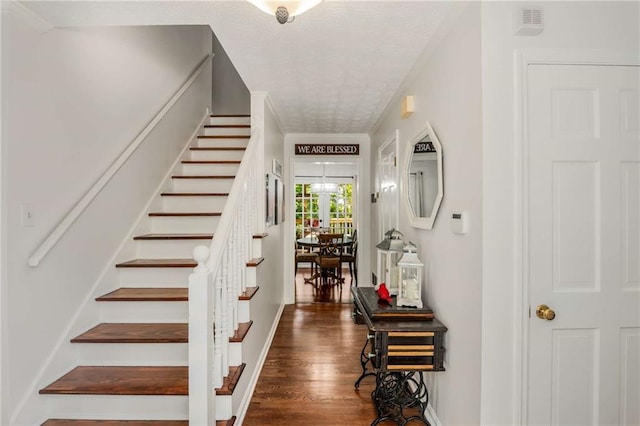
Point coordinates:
[(364, 360), (397, 391)]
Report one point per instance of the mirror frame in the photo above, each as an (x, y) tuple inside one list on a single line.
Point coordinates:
[(416, 221)]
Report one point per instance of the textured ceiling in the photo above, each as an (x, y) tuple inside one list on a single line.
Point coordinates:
[(333, 70)]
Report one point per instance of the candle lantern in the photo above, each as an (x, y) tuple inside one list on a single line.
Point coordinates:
[(410, 274), (389, 252)]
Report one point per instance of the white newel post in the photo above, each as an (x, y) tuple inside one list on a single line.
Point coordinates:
[(201, 394)]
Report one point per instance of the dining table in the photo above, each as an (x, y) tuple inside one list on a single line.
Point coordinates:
[(313, 243)]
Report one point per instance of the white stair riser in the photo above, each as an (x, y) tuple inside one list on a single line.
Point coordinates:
[(251, 277), (202, 185), (195, 204), (224, 407), (244, 311), (132, 354), (199, 155), (213, 143), (210, 169), (235, 353), (168, 249), (154, 277), (256, 247), (134, 407), (227, 131), (144, 312), (163, 224), (229, 120)]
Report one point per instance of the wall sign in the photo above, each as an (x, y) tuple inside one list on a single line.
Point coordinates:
[(327, 149)]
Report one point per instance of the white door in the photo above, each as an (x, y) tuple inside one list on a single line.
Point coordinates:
[(584, 245), (388, 188)]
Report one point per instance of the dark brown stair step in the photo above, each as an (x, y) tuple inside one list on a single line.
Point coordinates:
[(231, 381), (86, 422), (211, 162), (143, 294), (241, 332), (232, 126), (135, 333), (255, 262), (195, 194), (248, 293), (174, 237), (122, 380), (202, 177), (158, 263), (219, 148), (183, 214), (260, 236), (229, 115)]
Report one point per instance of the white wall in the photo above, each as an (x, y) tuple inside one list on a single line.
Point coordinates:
[(573, 26), (363, 189), (74, 99), (229, 94), (446, 84)]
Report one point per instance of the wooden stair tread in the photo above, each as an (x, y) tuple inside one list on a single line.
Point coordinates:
[(194, 194), (183, 214), (158, 263), (255, 262), (174, 237), (203, 177), (122, 380), (219, 148), (241, 332), (224, 136), (249, 293), (231, 381), (87, 422), (211, 162), (145, 294), (135, 333), (233, 126), (260, 236), (230, 115)]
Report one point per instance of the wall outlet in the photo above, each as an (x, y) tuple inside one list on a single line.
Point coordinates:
[(28, 215)]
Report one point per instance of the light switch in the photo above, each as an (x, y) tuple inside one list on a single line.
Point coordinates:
[(28, 216)]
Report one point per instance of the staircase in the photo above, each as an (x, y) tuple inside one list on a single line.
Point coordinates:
[(133, 366)]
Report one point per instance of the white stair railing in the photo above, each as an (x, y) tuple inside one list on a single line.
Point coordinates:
[(215, 286)]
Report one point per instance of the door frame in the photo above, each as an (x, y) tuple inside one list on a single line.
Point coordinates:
[(523, 59), (394, 140)]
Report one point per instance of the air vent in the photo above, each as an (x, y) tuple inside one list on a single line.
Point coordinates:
[(529, 21)]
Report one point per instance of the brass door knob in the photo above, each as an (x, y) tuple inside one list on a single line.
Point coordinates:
[(544, 312)]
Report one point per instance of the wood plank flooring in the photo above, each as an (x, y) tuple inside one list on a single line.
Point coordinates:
[(312, 365)]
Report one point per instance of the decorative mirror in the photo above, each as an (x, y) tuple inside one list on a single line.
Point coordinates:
[(423, 186)]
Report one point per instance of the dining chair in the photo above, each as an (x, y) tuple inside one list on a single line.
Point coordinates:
[(329, 258), (350, 257), (304, 255)]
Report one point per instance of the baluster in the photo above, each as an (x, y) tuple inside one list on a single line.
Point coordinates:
[(224, 321), (235, 274)]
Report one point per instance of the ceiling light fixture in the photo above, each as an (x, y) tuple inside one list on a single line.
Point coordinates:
[(285, 10)]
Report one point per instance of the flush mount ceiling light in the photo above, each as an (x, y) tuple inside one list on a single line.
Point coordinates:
[(285, 11)]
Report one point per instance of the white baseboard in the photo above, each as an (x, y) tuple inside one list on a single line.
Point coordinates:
[(430, 414), (246, 400)]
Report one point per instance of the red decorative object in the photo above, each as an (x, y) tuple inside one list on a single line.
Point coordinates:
[(383, 293)]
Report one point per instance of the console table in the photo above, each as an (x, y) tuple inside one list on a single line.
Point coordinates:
[(402, 342)]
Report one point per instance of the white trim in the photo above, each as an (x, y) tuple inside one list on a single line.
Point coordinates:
[(522, 59), (430, 414), (27, 15), (253, 381), (274, 111), (95, 189), (395, 138)]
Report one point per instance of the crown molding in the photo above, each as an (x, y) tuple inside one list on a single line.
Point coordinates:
[(28, 16)]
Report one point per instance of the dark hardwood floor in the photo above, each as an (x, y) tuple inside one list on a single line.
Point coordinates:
[(312, 365)]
